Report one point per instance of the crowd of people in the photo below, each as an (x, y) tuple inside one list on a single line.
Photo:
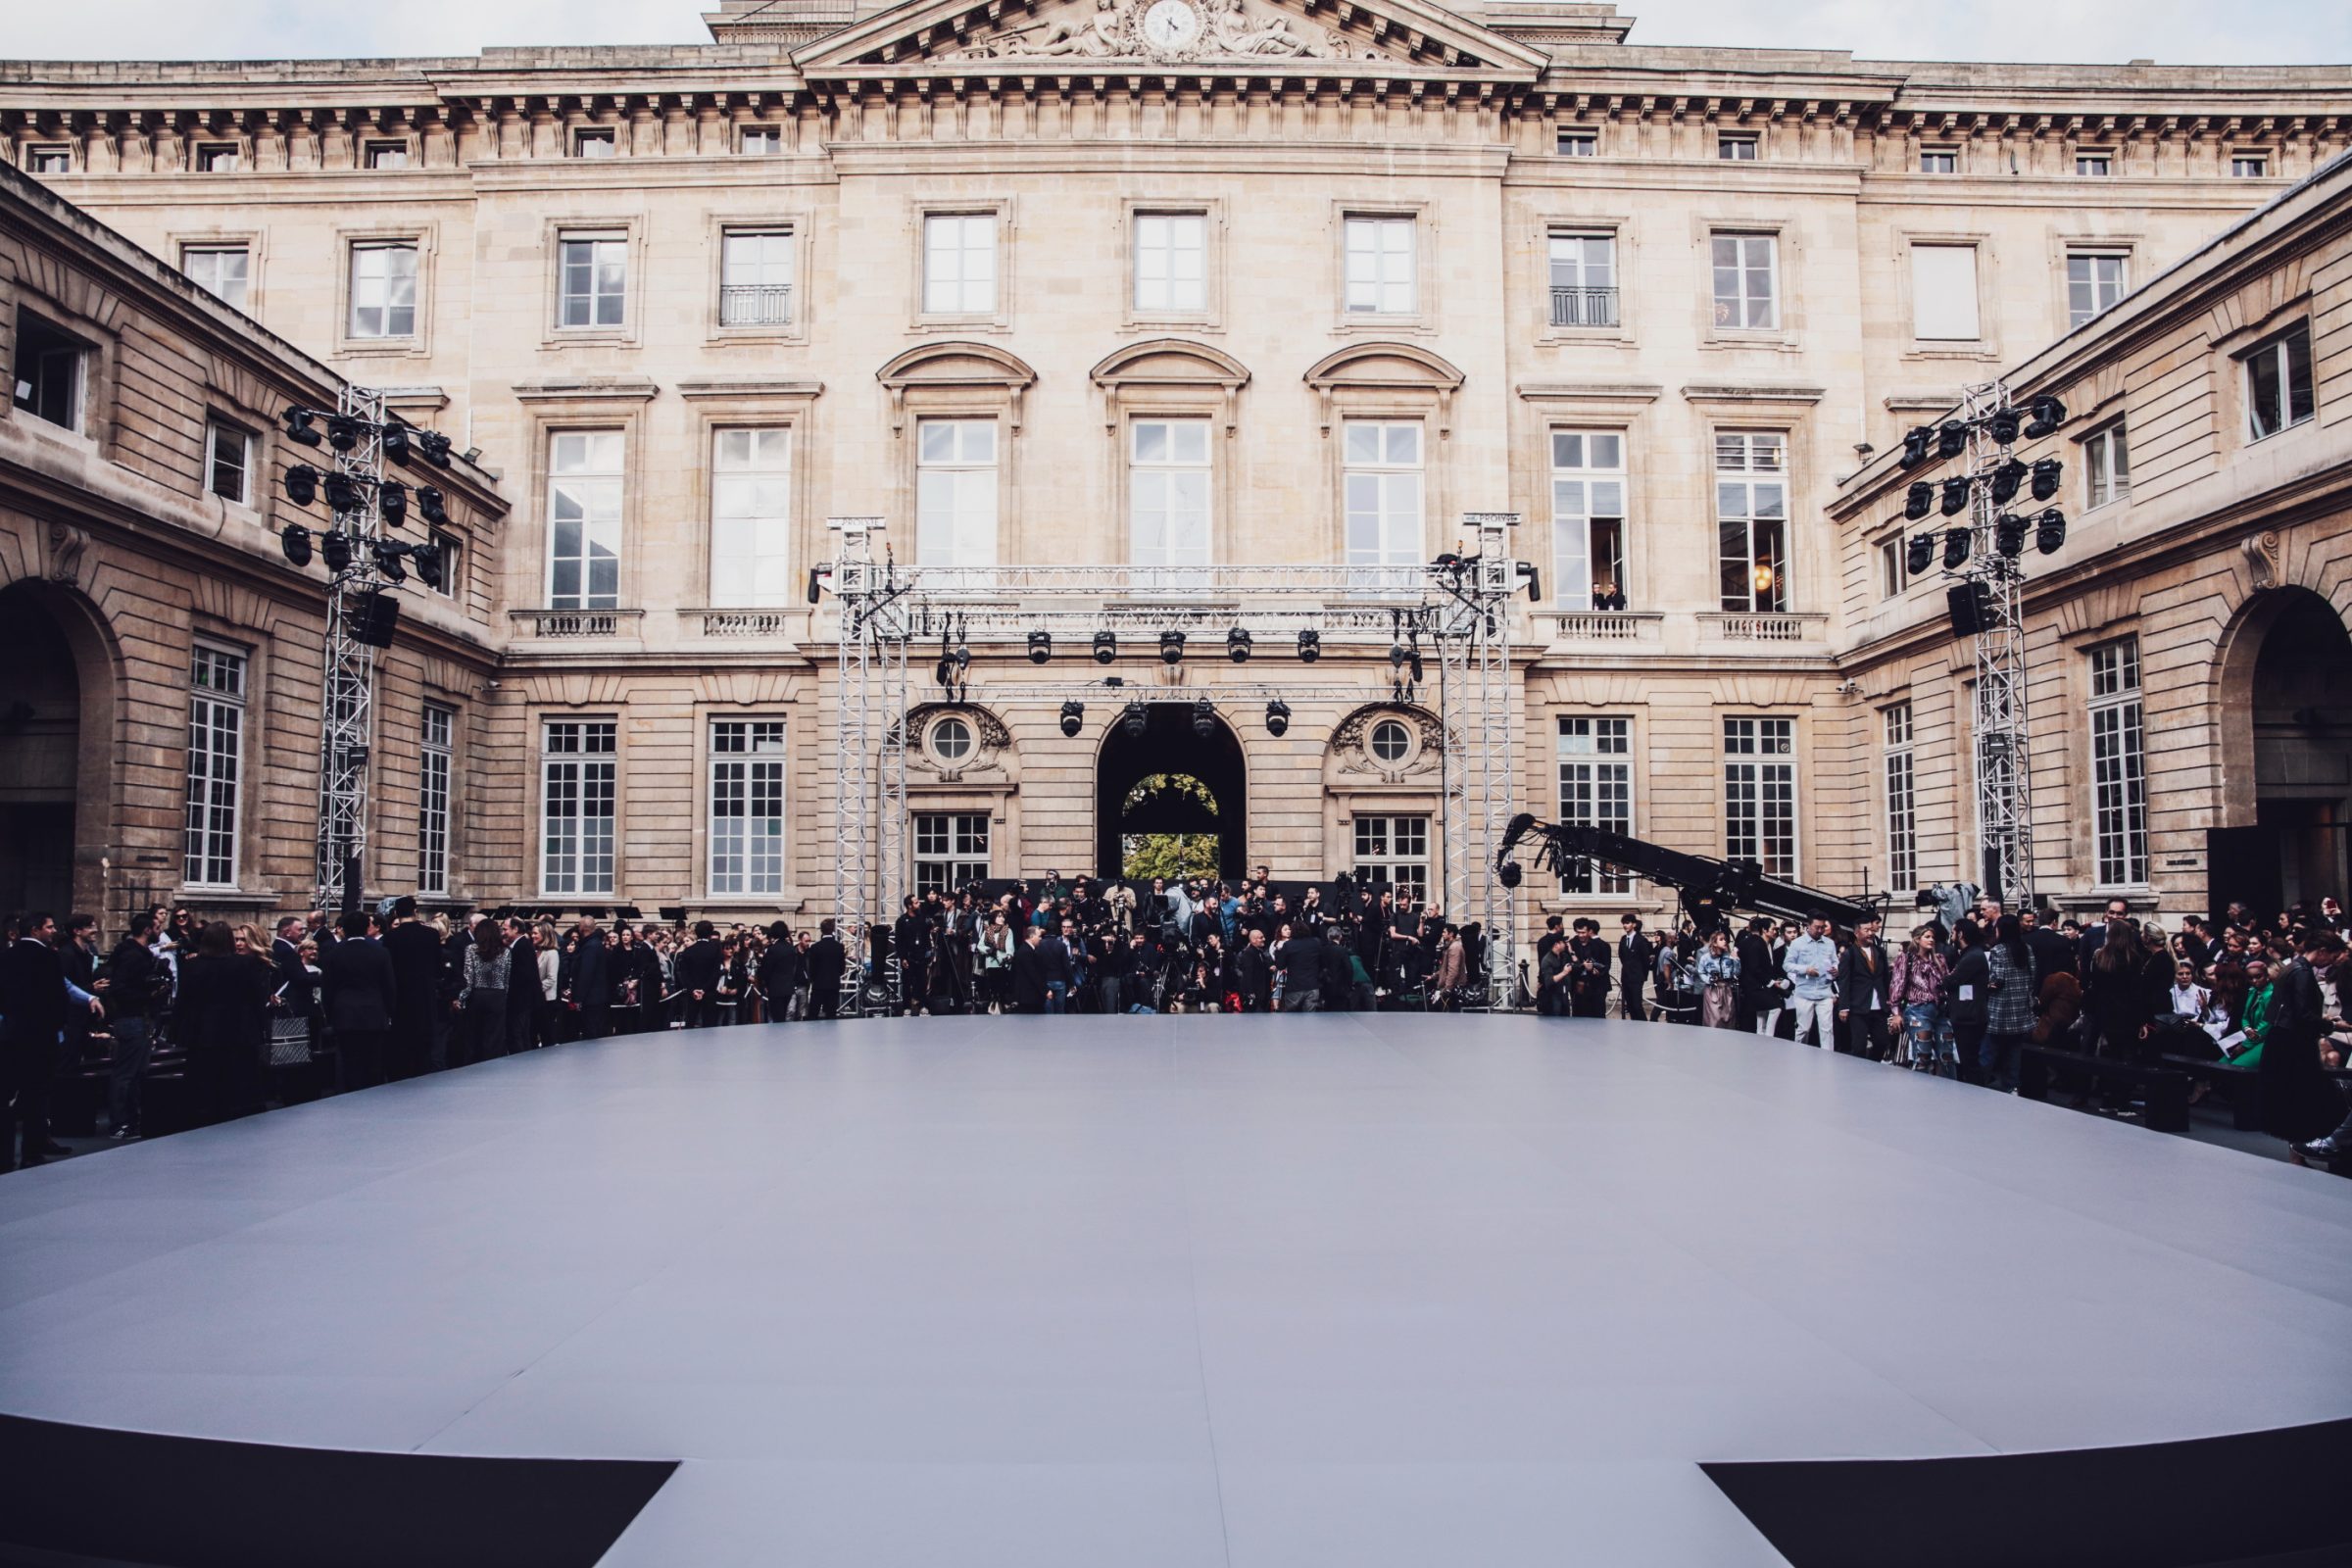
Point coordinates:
[(316, 1005)]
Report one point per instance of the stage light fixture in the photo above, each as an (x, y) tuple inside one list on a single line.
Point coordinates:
[(2048, 414), (1204, 720), (1134, 720), (396, 442), (428, 556), (1510, 872), (1535, 580), (1073, 718), (1106, 647), (435, 446), (1041, 646), (388, 559), (2049, 531), (1171, 647), (2001, 425), (2005, 481), (302, 484), (429, 501), (376, 619), (295, 540), (2045, 477), (1396, 655), (1956, 542), (962, 656), (343, 432), (1970, 605), (1919, 499), (1952, 439), (1278, 717), (392, 501), (2009, 535), (1238, 645), (335, 547), (1310, 646), (299, 428), (1916, 444), (1955, 495), (342, 493), (1921, 554)]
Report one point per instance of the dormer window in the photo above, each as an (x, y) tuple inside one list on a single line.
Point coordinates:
[(593, 143), (1736, 147)]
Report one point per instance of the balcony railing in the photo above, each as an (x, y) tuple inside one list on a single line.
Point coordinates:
[(577, 622), (1584, 306), (1607, 626), (748, 622), (1790, 626), (755, 304)]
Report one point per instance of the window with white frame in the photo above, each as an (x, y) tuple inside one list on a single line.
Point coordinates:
[(51, 370), (2249, 165), (1902, 822), (451, 559), (1587, 516), (756, 277), (751, 516), (595, 143), (1943, 293), (228, 462), (1171, 263), (218, 158), (761, 141), (2094, 166), (1393, 849), (1583, 279), (1894, 570), (1167, 492), (1939, 161), (1597, 790), (1382, 266), (1736, 147), (1752, 518), (2278, 389), (220, 271), (583, 512), (2094, 281), (592, 280), (2119, 788), (951, 850), (1759, 793), (1578, 142), (216, 765), (959, 264), (49, 159), (2106, 466), (388, 155), (747, 805), (955, 493), (1382, 483), (578, 792), (384, 289), (436, 752), (1746, 275)]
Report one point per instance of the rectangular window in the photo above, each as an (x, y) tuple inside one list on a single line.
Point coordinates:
[(388, 155), (959, 264), (1578, 143), (583, 511), (50, 370), (218, 158), (746, 806), (594, 143), (49, 159), (228, 462), (451, 561), (1393, 849), (383, 290), (951, 850), (578, 779), (1588, 517), (1943, 293), (2279, 392), (2249, 165), (2094, 166), (218, 270), (1893, 571), (2119, 798), (761, 141), (1171, 263), (755, 277), (435, 753), (1902, 824), (2106, 466), (593, 282), (1168, 491), (1746, 270), (216, 765), (1735, 148), (2093, 282), (1583, 279), (1597, 790), (1752, 519), (1759, 793), (1939, 161), (1381, 267), (1382, 481), (751, 516), (955, 493)]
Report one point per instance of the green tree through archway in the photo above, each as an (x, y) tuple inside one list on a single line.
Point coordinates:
[(1173, 856)]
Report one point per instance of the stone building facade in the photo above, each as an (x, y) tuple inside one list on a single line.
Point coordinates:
[(1173, 284)]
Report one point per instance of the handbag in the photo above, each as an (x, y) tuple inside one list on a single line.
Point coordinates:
[(289, 1041)]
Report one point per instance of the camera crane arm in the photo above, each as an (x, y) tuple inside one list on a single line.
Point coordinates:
[(1710, 889)]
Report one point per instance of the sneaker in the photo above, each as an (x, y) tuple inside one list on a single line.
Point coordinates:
[(124, 1135), (2325, 1147)]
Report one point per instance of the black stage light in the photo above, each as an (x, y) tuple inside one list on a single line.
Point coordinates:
[(944, 672), (388, 559), (1970, 605), (1510, 872), (295, 540), (428, 556), (342, 493), (1952, 439), (1073, 718), (1134, 720), (1237, 644), (396, 442), (1041, 646), (302, 484), (335, 547), (1278, 717), (2048, 414), (2049, 531), (392, 501), (1956, 543), (1919, 499), (299, 428), (1535, 580), (1955, 495), (1204, 720), (376, 619), (429, 501), (962, 656), (1171, 647), (1310, 646), (1396, 655), (2005, 480), (1916, 443), (2046, 478), (435, 446), (2001, 425), (2009, 535), (343, 432), (1106, 647), (1922, 554)]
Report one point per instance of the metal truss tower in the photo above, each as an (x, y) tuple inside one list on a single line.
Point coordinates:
[(1479, 709), (2004, 776), (350, 665), (869, 750)]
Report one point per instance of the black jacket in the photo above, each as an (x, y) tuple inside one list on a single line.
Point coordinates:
[(698, 970), (1971, 971), (33, 993), (826, 961), (1857, 979), (296, 989), (360, 989), (1634, 955), (1303, 962), (136, 981), (414, 951), (585, 976)]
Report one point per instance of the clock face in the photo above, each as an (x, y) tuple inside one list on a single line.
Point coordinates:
[(1171, 24)]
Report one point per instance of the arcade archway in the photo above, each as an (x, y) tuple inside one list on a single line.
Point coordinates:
[(2288, 728), (54, 715), (1171, 747)]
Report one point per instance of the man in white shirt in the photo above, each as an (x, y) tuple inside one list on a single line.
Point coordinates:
[(1811, 965)]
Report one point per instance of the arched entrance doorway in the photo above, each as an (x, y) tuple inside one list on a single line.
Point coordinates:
[(40, 754), (1169, 748), (2297, 700)]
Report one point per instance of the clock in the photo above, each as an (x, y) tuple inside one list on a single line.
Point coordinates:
[(1171, 24)]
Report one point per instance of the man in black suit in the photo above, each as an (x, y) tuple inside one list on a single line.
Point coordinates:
[(415, 950), (360, 992), (295, 987), (1863, 994), (523, 985), (1253, 973), (587, 980), (697, 970), (136, 986), (1588, 971), (34, 1002), (1029, 972), (1551, 970), (1059, 964), (1636, 953), (826, 962)]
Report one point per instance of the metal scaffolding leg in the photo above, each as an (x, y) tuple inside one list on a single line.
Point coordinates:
[(348, 697)]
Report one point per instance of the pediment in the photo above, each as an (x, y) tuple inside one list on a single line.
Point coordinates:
[(1082, 35)]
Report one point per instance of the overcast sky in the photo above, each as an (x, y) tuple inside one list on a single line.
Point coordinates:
[(2170, 32)]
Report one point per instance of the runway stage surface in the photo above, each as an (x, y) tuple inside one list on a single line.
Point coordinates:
[(1358, 1290)]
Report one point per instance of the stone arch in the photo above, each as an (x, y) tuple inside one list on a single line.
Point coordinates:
[(1391, 368), (957, 365), (1170, 364), (2280, 690), (36, 609), (1169, 746)]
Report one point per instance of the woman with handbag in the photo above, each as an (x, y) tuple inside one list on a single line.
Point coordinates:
[(1719, 983)]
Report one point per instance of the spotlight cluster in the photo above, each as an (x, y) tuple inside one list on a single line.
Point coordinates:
[(1950, 497), (350, 497)]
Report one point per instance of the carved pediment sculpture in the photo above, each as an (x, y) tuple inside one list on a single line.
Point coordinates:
[(1167, 32)]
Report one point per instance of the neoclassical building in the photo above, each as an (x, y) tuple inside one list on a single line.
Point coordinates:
[(1164, 285)]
